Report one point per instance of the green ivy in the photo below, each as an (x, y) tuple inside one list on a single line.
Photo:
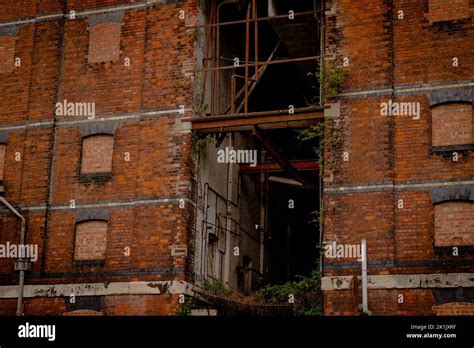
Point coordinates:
[(217, 288), (184, 309), (200, 145), (301, 289), (331, 76)]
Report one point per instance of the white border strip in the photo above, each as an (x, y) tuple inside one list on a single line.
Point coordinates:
[(397, 186), (406, 89), (402, 281), (100, 289), (82, 13)]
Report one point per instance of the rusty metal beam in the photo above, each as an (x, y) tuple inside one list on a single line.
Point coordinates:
[(273, 167), (221, 24), (265, 120), (280, 158), (274, 62)]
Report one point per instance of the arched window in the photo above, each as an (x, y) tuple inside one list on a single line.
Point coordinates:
[(104, 42), (97, 153), (454, 224), (91, 240), (452, 124)]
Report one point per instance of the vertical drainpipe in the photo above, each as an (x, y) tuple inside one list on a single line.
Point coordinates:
[(21, 264), (228, 222), (321, 159)]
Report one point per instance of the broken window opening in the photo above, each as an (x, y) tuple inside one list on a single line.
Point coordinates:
[(256, 221)]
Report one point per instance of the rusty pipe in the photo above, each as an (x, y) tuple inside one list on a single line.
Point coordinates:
[(21, 281), (247, 53), (255, 37)]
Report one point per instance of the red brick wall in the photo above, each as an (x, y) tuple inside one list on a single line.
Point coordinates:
[(112, 305), (454, 224), (7, 54), (97, 154), (392, 150), (55, 67), (104, 42), (447, 10), (455, 308), (452, 124), (380, 302), (91, 240)]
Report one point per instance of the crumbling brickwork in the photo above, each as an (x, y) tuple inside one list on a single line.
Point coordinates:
[(124, 58)]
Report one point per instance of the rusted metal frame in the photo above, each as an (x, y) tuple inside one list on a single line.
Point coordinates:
[(232, 97), (255, 37), (213, 69), (247, 53), (281, 112), (243, 21), (261, 70), (219, 124), (279, 158), (279, 61)]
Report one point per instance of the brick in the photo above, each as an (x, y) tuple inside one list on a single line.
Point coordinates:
[(97, 151), (448, 10), (91, 241), (454, 224), (455, 308), (104, 42), (452, 124), (7, 54)]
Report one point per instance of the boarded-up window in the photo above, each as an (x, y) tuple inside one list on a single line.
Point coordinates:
[(91, 240), (97, 154), (448, 10), (454, 224), (3, 149), (455, 308), (452, 124), (104, 42), (7, 54)]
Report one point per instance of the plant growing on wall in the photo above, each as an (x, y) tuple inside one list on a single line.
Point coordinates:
[(184, 309), (331, 75), (200, 145), (306, 294)]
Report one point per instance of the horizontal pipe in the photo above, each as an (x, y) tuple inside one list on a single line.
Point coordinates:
[(297, 14), (279, 61), (285, 181)]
